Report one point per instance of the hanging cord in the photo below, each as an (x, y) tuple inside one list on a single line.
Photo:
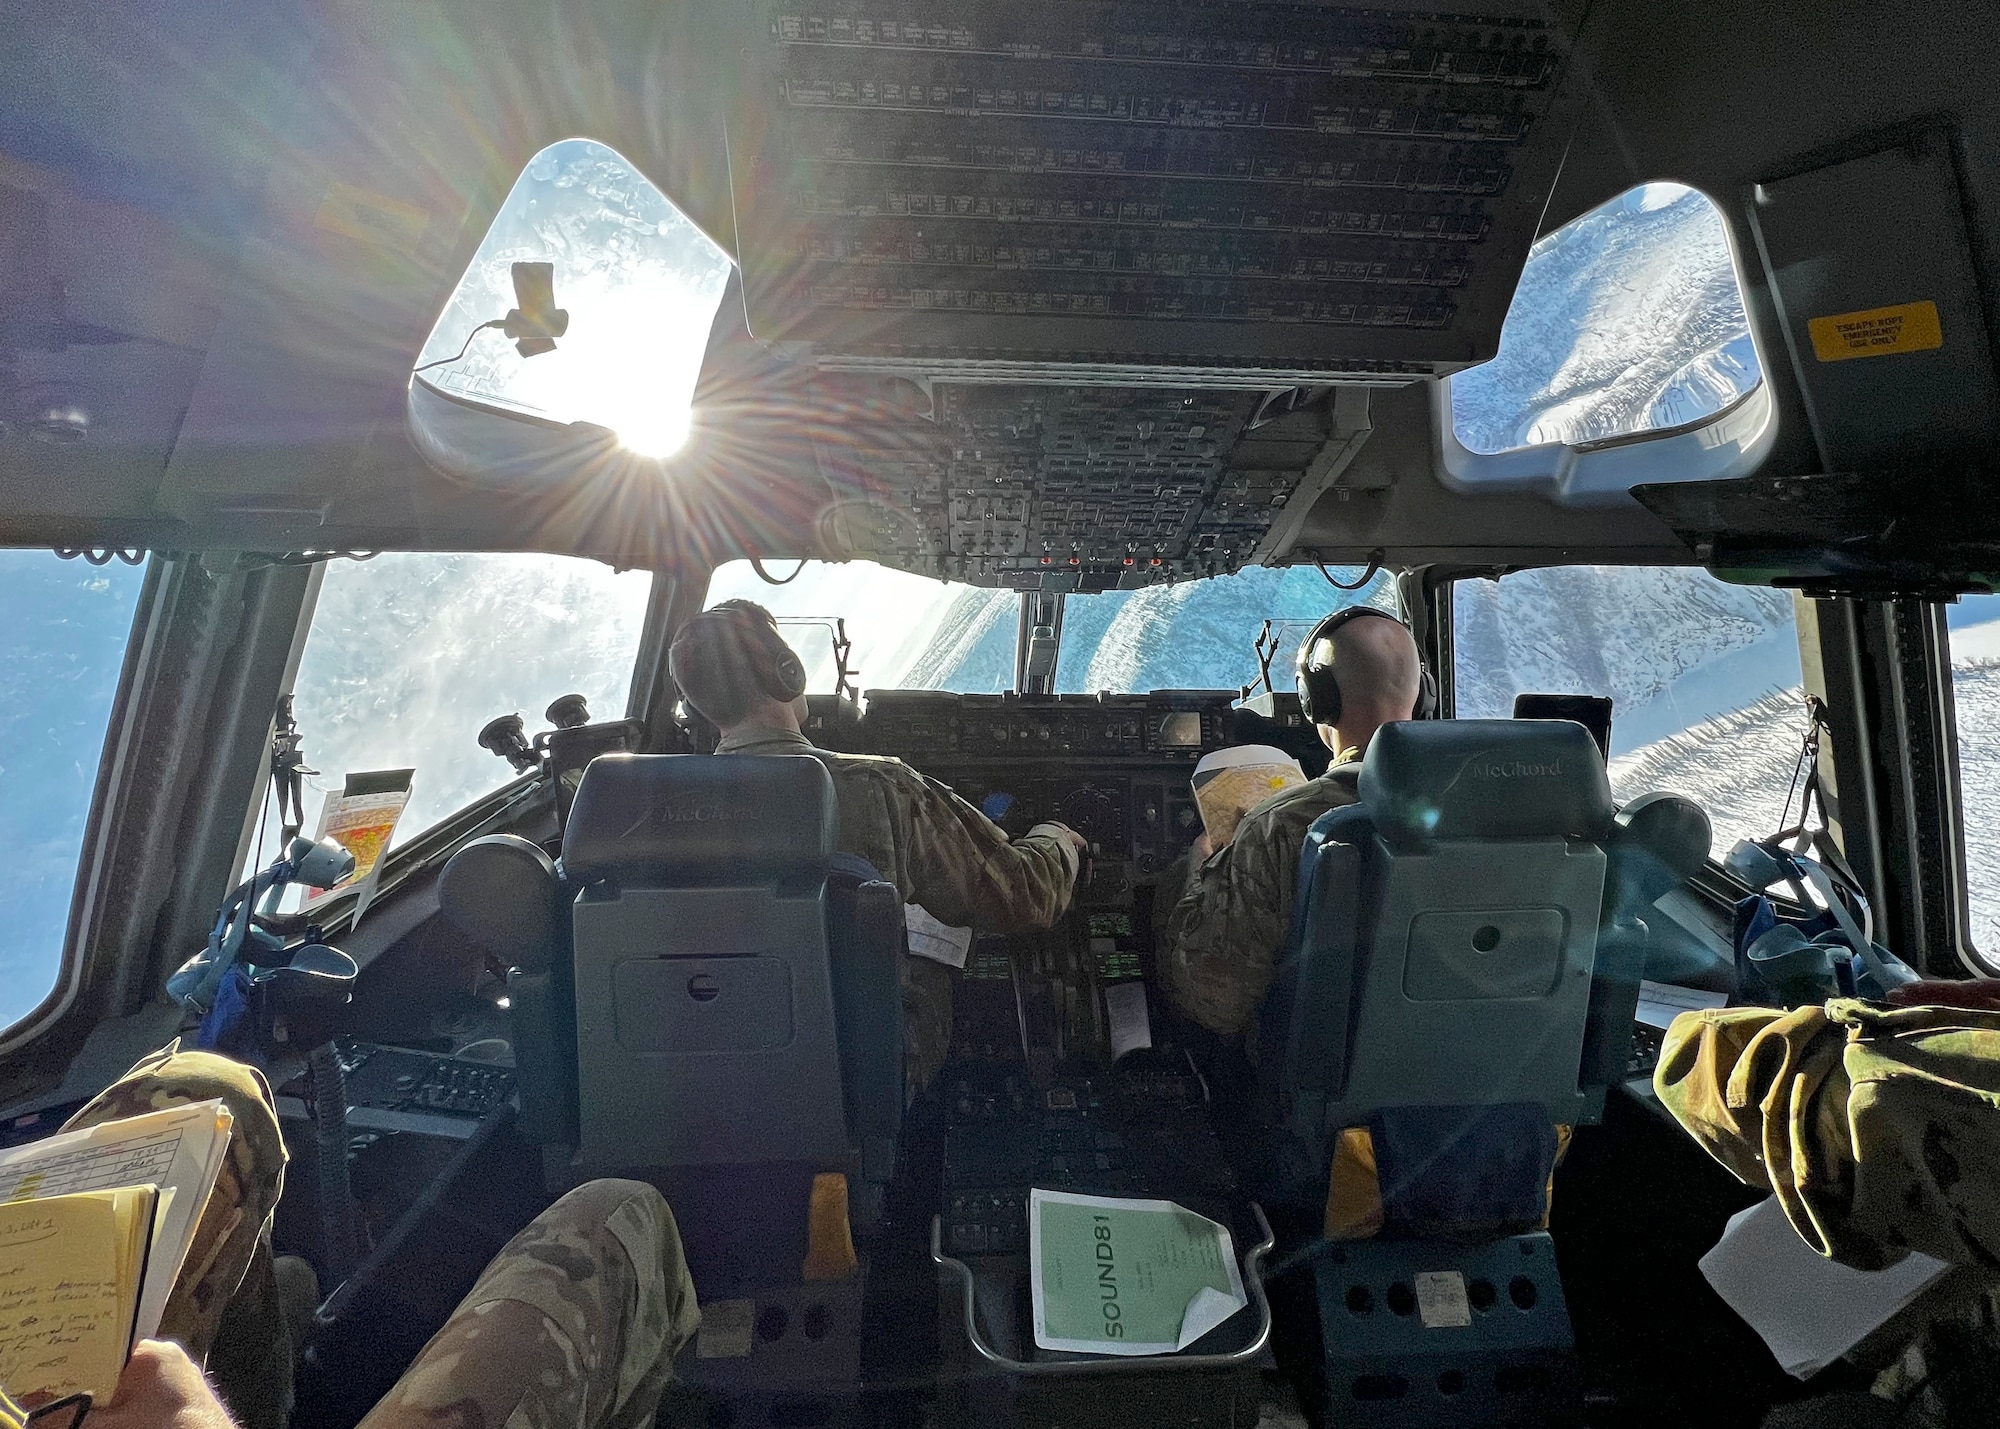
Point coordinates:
[(769, 579), (101, 555), (288, 771), (1374, 570), (1805, 773), (313, 558), (457, 356)]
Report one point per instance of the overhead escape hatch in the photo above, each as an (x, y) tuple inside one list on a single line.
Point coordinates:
[(640, 283)]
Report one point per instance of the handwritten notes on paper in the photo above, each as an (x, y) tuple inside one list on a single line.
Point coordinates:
[(179, 1149), (70, 1269)]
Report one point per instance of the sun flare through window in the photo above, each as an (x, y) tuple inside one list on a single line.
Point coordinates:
[(640, 285)]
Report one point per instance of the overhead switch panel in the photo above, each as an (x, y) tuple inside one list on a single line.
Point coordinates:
[(1057, 488), (1229, 194)]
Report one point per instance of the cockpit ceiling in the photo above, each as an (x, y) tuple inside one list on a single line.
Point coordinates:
[(1185, 305), (1257, 192)]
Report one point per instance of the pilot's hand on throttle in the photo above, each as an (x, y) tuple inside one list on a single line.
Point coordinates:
[(1077, 840)]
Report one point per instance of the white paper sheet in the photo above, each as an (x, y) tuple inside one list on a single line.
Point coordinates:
[(1442, 1303), (179, 1150), (1809, 1310), (930, 938), (1661, 1002), (1131, 1025)]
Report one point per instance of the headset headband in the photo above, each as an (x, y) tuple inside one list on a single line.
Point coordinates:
[(1319, 690)]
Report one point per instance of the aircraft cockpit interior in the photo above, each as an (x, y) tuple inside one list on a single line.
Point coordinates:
[(1197, 713)]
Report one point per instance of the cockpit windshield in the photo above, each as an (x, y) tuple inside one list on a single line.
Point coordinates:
[(913, 633), (1201, 635), (907, 632)]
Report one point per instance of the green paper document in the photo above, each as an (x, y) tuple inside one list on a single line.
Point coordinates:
[(1114, 1277)]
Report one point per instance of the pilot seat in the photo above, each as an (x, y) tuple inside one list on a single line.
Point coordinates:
[(1468, 943), (725, 1021)]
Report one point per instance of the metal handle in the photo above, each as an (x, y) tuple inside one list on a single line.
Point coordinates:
[(1253, 1277)]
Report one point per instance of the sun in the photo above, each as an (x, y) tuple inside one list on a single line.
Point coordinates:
[(657, 433)]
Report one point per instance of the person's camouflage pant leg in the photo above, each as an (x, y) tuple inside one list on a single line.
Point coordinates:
[(231, 1234), (574, 1325), (224, 1310)]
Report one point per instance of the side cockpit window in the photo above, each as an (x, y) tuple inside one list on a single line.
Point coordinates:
[(1974, 633), (1704, 677), (62, 650), (1628, 321), (410, 654)]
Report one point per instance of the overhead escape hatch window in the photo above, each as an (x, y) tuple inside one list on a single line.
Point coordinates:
[(640, 283), (1628, 320)]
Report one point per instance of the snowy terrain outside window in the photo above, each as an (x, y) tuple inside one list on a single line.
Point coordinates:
[(1201, 635), (1974, 626), (1628, 319), (410, 654), (1704, 677), (640, 283), (62, 648)]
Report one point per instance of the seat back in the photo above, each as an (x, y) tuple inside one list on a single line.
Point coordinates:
[(1447, 928), (705, 1004)]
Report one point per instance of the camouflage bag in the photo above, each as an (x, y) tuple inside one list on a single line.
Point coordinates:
[(1878, 1129)]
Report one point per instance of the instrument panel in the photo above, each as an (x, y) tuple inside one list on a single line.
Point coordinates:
[(1115, 768)]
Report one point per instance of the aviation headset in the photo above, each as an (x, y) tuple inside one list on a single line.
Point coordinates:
[(1319, 691), (781, 675)]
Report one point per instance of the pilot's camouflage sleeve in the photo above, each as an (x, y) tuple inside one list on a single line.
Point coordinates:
[(954, 863), (1878, 1129), (1223, 935), (574, 1325), (947, 857), (966, 872)]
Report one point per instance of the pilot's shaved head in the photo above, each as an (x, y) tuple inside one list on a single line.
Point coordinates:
[(1377, 665)]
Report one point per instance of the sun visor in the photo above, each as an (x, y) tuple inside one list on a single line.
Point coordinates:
[(1203, 196)]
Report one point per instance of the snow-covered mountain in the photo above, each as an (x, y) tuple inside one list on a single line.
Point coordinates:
[(1627, 319)]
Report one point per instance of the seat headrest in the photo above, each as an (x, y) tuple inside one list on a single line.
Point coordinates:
[(1658, 844), (1486, 779), (668, 820), (501, 892)]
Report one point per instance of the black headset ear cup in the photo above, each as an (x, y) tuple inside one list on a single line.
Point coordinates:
[(788, 670), (1427, 692)]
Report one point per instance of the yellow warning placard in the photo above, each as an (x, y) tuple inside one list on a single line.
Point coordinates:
[(1877, 332), (372, 217)]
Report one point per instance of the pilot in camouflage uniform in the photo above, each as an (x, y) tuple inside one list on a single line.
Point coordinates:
[(1222, 937), (940, 853), (574, 1324), (1878, 1131), (1224, 933)]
